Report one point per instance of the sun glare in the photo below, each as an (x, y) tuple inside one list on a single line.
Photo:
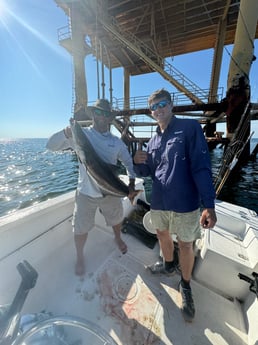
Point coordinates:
[(2, 7), (3, 12)]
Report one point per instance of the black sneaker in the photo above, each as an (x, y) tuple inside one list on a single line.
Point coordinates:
[(188, 309), (159, 268)]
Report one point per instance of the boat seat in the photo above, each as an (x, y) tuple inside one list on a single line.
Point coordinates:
[(235, 226), (224, 255)]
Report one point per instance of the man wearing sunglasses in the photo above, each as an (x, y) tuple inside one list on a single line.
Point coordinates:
[(177, 158), (88, 195)]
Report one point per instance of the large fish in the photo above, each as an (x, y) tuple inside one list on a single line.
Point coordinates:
[(101, 172)]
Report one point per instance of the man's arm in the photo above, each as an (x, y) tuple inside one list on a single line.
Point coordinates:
[(61, 140)]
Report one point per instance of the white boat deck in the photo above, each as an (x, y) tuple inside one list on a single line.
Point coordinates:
[(121, 296), (117, 294)]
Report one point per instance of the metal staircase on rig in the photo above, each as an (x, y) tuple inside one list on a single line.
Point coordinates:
[(156, 62)]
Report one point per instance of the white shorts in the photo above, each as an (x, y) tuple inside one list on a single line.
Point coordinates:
[(85, 209)]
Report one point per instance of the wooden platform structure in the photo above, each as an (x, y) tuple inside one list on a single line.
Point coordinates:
[(142, 36), (168, 28)]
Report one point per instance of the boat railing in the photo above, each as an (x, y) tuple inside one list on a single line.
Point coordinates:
[(64, 33), (141, 102)]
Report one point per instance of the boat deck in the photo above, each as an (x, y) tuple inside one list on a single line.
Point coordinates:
[(119, 295)]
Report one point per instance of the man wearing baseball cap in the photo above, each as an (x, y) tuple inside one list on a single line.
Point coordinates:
[(88, 194)]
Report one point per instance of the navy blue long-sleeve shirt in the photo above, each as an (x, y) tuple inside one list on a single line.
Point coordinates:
[(179, 164)]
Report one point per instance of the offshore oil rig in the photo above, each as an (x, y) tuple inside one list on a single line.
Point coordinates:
[(140, 36)]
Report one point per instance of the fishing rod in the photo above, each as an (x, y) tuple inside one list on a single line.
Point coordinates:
[(236, 142), (232, 165)]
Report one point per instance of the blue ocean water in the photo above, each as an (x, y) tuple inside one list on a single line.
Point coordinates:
[(29, 174)]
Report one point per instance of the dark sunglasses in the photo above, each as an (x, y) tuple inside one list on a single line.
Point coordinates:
[(101, 112), (160, 104)]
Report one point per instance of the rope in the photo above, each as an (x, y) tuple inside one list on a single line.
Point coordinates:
[(248, 34), (235, 148), (236, 64), (249, 39)]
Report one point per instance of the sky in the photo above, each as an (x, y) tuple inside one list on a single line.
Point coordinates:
[(36, 72)]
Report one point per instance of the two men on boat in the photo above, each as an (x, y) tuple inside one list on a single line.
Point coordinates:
[(88, 195), (177, 158)]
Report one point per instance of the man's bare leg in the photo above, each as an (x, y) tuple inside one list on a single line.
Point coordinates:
[(167, 265), (80, 241), (120, 243), (186, 259), (166, 245)]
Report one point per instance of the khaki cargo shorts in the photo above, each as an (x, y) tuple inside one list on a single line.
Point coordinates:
[(185, 225), (85, 210)]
